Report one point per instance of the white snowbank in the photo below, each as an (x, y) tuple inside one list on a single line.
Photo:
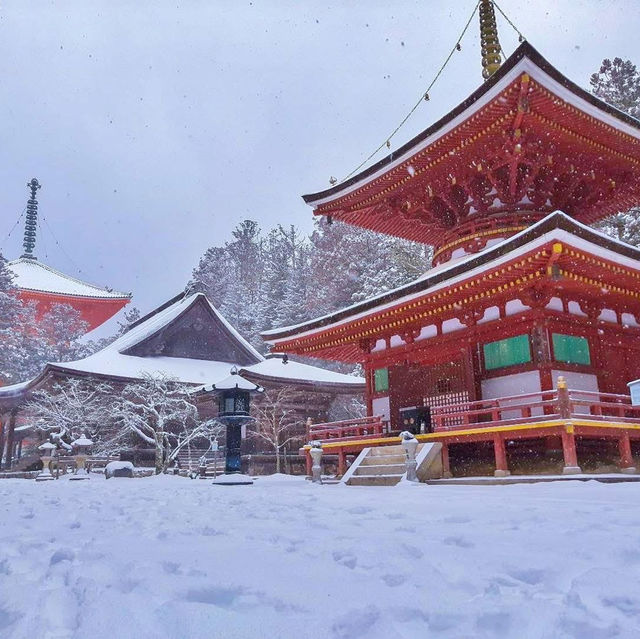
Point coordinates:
[(167, 557)]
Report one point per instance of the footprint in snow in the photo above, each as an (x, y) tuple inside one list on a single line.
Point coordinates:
[(359, 510), (393, 580), (461, 542), (356, 623), (531, 576), (346, 559)]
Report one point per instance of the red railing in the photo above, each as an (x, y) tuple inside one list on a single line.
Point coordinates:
[(514, 409), (347, 428), (527, 408)]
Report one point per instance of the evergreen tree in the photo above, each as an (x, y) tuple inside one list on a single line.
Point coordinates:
[(618, 83)]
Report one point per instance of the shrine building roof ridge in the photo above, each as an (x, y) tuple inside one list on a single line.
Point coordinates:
[(525, 59), (32, 275), (448, 274)]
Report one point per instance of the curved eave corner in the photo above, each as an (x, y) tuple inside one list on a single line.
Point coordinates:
[(525, 50)]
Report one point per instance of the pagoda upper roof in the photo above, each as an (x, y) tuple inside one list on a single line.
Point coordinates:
[(32, 275), (337, 334), (526, 109)]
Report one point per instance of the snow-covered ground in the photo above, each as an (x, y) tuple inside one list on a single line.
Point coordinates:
[(170, 557)]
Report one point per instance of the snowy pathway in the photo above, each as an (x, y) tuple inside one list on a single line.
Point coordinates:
[(169, 557)]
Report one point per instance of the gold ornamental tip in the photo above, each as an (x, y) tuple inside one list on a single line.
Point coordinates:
[(489, 43), (562, 382)]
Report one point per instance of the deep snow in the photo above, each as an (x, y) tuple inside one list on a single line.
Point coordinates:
[(171, 557)]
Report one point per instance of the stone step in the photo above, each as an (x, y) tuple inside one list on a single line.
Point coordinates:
[(381, 451), (373, 480), (382, 469), (383, 460)]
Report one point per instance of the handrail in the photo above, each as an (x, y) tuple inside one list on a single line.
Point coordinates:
[(549, 405)]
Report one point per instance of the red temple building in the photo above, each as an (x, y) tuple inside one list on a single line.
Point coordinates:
[(39, 283), (515, 349)]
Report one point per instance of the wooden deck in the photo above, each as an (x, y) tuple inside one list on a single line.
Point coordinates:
[(561, 413)]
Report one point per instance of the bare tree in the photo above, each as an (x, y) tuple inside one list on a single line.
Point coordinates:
[(70, 408), (159, 410), (276, 420)]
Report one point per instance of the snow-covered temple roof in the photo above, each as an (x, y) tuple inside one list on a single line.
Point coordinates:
[(189, 340), (32, 275), (341, 330), (527, 116)]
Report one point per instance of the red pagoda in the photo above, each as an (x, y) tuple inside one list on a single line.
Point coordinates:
[(39, 283), (519, 343)]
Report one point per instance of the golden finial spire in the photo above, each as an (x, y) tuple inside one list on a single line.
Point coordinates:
[(489, 43)]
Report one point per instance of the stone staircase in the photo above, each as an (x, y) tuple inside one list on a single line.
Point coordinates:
[(385, 465)]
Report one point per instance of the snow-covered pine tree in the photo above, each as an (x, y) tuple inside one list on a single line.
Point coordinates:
[(10, 308), (618, 83)]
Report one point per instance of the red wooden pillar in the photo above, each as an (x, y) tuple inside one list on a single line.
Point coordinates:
[(446, 466), (10, 438), (502, 469), (626, 459), (342, 462), (308, 462), (368, 389), (569, 451)]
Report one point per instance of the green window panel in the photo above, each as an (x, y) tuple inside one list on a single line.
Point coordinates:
[(381, 380), (507, 352), (571, 349)]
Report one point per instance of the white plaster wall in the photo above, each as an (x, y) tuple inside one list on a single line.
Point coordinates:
[(396, 340), (516, 384), (515, 306), (490, 314), (380, 345), (629, 320), (608, 315), (574, 309), (451, 325), (380, 406), (555, 304), (427, 332)]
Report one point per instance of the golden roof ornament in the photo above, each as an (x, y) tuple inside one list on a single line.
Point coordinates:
[(489, 43)]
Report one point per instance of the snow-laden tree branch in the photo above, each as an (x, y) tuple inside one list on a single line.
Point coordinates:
[(160, 411), (276, 419), (70, 408)]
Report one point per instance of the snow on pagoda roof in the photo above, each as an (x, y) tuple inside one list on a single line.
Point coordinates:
[(556, 226), (525, 59), (32, 275), (113, 362)]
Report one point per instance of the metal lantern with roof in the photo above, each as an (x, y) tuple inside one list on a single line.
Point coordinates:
[(234, 404)]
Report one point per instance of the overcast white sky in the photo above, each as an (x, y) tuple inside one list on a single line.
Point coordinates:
[(155, 127)]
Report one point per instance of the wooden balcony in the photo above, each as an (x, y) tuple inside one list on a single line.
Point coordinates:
[(561, 413), (529, 408)]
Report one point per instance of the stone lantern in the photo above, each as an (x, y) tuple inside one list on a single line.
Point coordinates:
[(234, 403), (81, 447), (47, 455), (410, 445), (315, 450)]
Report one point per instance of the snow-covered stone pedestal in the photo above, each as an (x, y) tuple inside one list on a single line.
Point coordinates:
[(81, 445), (118, 469), (233, 479), (410, 446), (572, 470), (47, 455), (316, 456)]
